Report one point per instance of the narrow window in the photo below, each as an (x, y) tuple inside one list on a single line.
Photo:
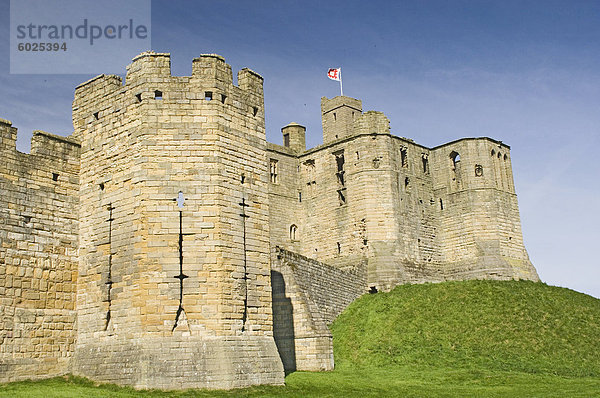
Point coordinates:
[(54, 176), (357, 155), (404, 156), (342, 196), (339, 160), (406, 182), (425, 161), (273, 169), (293, 231), (334, 117), (158, 95), (499, 155), (139, 97), (243, 179), (299, 196), (101, 185), (286, 140), (455, 159), (180, 199), (208, 95), (254, 110), (441, 204), (505, 157), (223, 98), (493, 152), (339, 248), (96, 115)]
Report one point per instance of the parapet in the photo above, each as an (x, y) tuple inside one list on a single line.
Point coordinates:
[(52, 145), (8, 134), (329, 105), (372, 122), (149, 64), (212, 67)]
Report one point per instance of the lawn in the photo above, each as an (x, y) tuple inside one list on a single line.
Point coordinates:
[(452, 339)]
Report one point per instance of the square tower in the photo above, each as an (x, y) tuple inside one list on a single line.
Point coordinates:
[(338, 115)]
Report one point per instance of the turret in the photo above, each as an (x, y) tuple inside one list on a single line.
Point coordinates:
[(294, 137)]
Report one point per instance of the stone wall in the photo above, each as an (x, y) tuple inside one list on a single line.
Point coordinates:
[(307, 297), (38, 254)]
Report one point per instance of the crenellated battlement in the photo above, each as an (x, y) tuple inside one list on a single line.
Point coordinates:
[(149, 87), (8, 135)]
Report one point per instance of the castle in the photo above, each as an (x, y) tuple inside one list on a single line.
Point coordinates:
[(166, 244)]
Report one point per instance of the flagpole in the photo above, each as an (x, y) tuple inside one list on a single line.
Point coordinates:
[(341, 88)]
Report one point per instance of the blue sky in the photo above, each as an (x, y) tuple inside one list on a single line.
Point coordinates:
[(524, 72)]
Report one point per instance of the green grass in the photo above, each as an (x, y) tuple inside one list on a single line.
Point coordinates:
[(453, 339), (485, 325)]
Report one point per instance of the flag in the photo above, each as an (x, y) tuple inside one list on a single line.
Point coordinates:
[(335, 74)]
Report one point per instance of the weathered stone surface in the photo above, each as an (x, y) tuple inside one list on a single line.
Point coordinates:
[(166, 244)]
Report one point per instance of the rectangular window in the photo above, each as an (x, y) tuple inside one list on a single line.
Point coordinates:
[(339, 160), (425, 163), (274, 172), (404, 157), (286, 140)]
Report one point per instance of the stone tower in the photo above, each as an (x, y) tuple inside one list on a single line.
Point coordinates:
[(174, 276), (405, 212)]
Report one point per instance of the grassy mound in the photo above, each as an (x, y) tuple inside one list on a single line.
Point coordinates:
[(487, 325)]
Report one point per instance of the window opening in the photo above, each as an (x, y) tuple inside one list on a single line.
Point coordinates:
[(158, 95), (425, 161), (478, 170), (404, 157), (286, 140), (293, 231), (342, 196), (208, 95), (339, 161), (273, 171), (455, 158)]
